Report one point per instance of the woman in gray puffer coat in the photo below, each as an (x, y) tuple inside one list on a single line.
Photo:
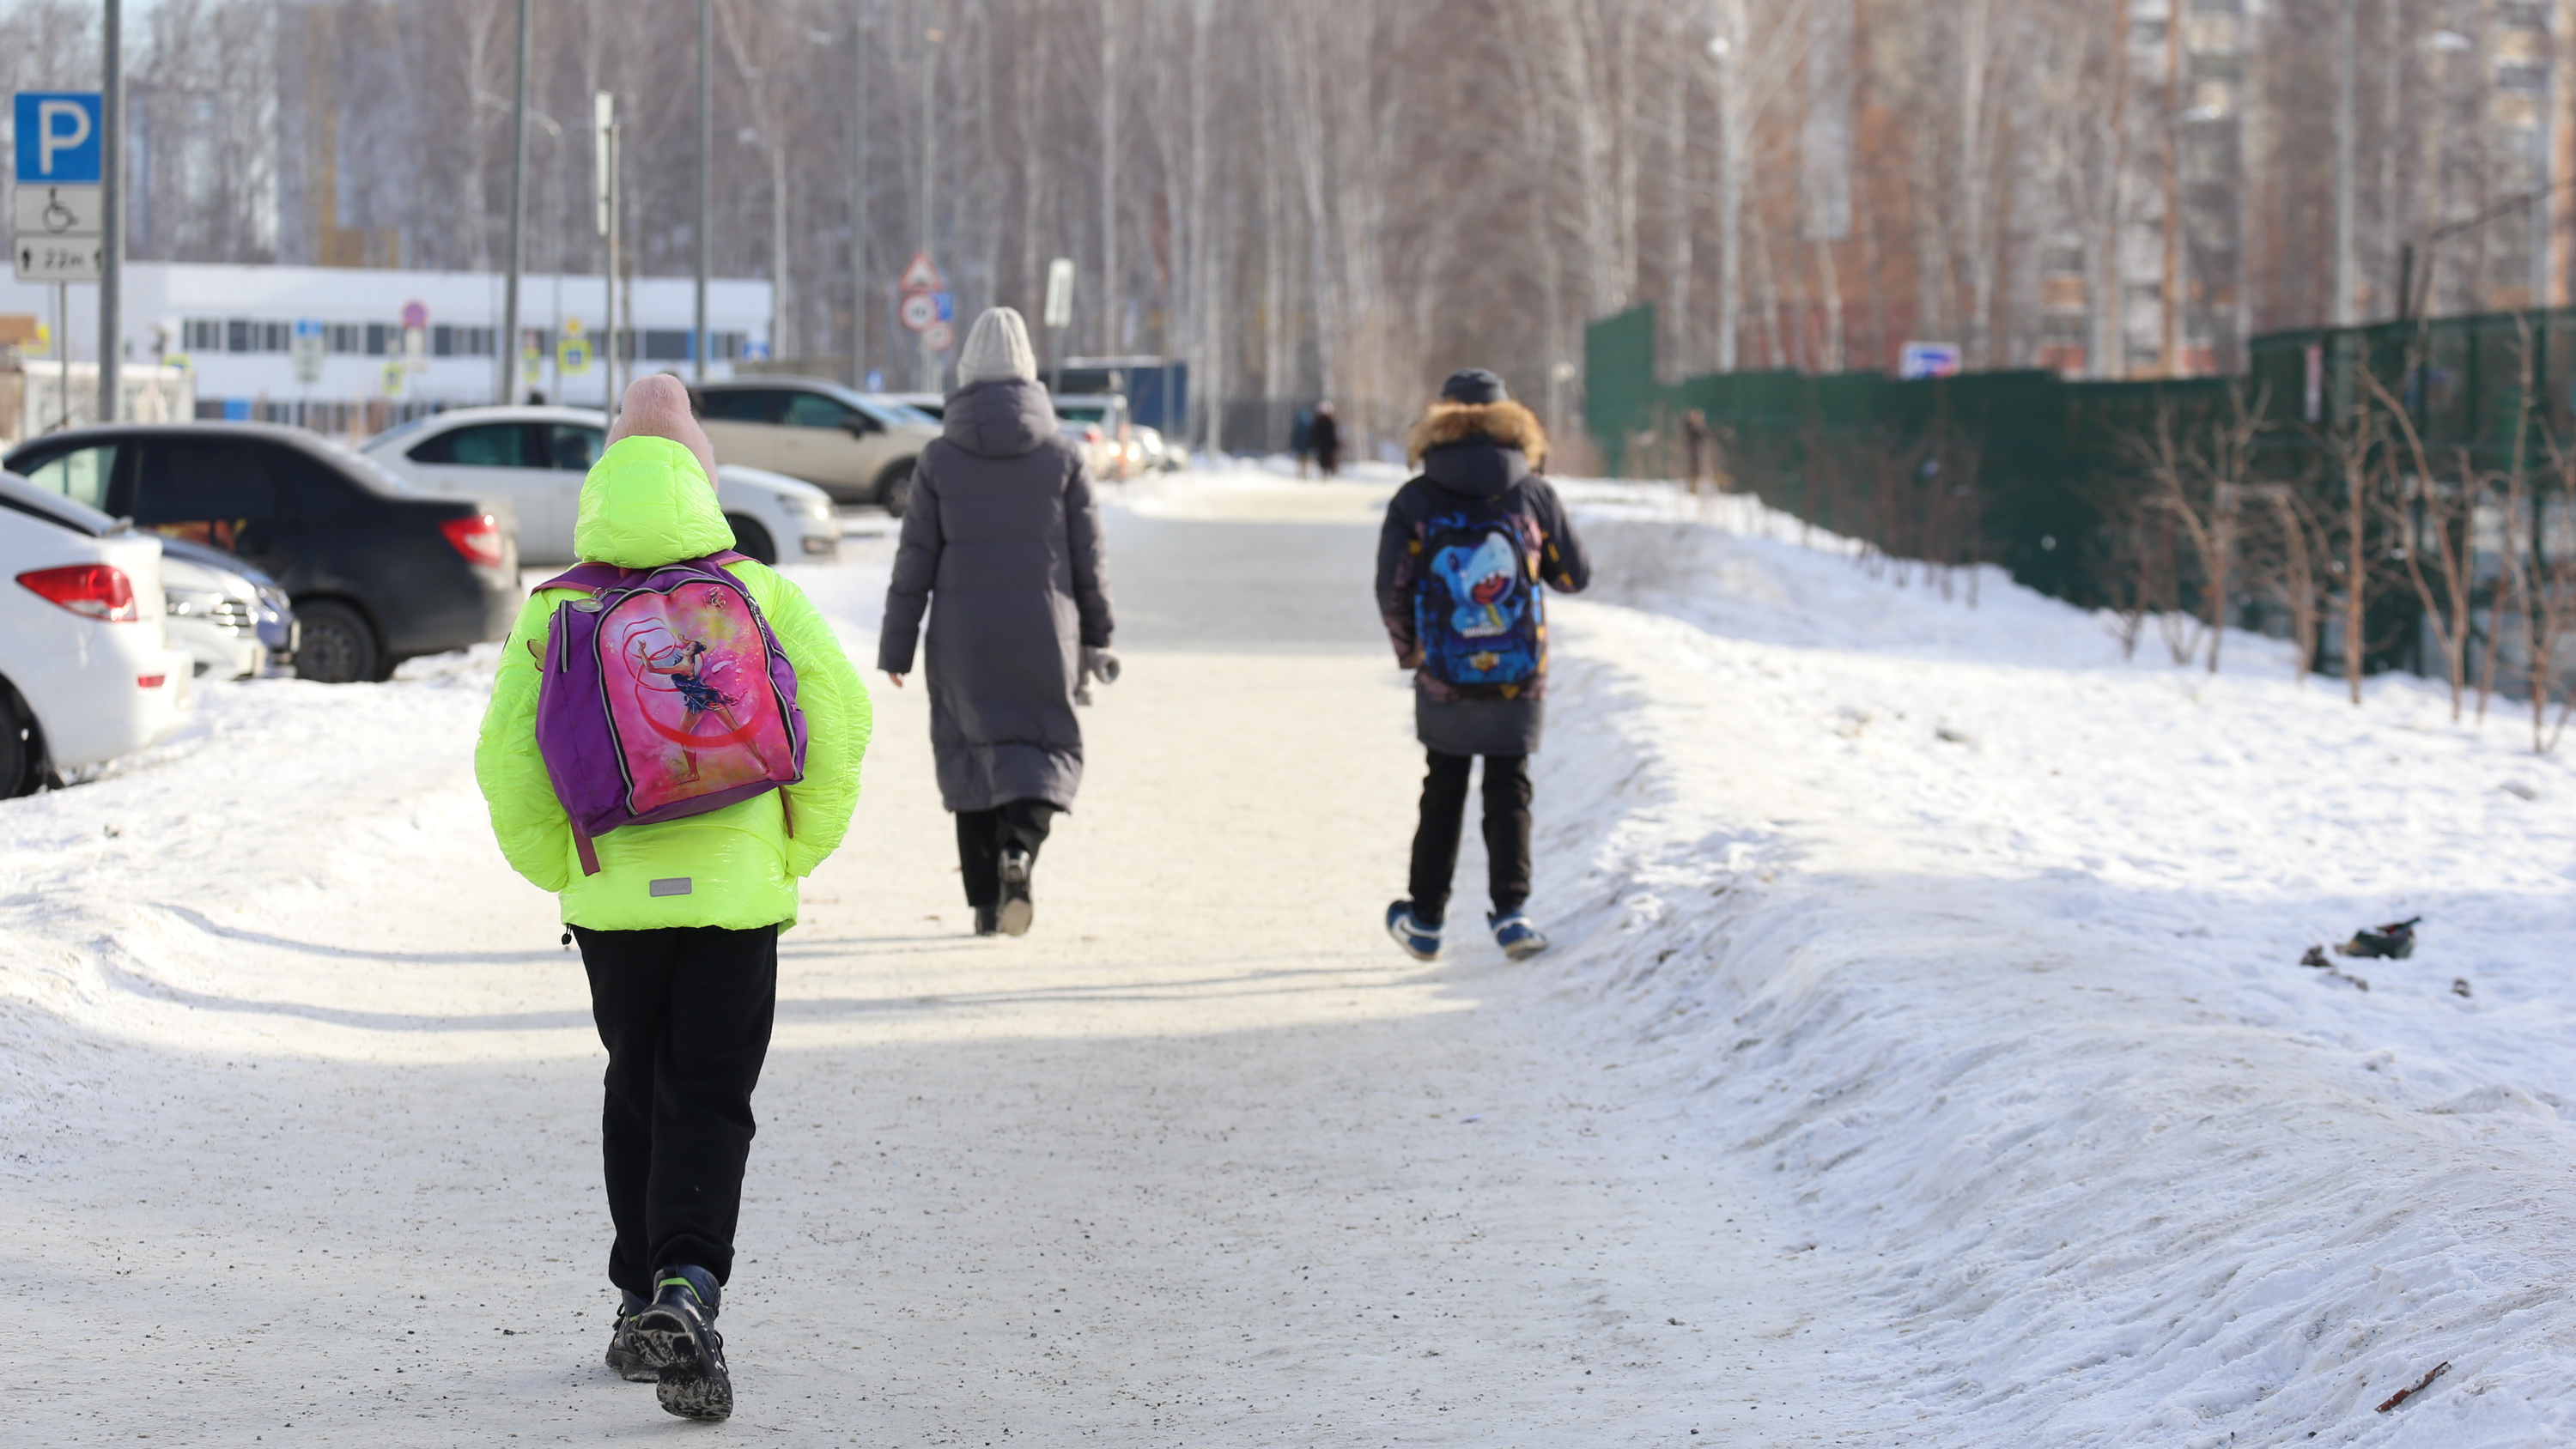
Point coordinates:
[(1002, 527)]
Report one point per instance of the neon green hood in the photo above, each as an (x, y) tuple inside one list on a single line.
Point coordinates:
[(647, 502)]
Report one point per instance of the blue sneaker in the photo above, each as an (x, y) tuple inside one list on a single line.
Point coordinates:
[(1517, 935), (1419, 941), (676, 1335)]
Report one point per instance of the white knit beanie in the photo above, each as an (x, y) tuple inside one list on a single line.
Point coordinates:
[(997, 348)]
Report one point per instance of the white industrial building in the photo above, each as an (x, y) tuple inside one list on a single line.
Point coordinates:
[(234, 326)]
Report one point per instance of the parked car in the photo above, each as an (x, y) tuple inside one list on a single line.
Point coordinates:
[(536, 457), (1099, 453), (232, 619), (87, 671), (377, 573), (1114, 458), (930, 405), (856, 449)]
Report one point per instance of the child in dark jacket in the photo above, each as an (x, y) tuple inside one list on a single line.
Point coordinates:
[(1465, 547)]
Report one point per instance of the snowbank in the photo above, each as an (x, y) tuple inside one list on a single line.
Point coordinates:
[(1984, 942)]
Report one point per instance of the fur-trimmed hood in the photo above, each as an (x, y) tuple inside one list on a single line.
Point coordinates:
[(1505, 424), (1481, 449)]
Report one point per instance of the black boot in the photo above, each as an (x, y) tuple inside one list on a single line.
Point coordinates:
[(624, 1355), (1017, 910), (676, 1334)]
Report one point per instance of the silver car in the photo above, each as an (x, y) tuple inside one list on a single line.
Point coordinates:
[(535, 459), (234, 621), (857, 448)]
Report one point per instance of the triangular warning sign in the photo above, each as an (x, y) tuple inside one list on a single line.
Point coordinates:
[(922, 275)]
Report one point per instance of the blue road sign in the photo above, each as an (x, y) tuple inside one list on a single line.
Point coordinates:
[(58, 138), (947, 307)]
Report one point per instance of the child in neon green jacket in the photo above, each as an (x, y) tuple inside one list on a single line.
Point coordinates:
[(684, 983)]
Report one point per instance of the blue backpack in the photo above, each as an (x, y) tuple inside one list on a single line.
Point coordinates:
[(1476, 607)]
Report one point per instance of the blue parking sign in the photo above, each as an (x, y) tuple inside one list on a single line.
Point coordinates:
[(58, 138)]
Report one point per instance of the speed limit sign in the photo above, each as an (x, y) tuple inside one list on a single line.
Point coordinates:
[(938, 336), (920, 311)]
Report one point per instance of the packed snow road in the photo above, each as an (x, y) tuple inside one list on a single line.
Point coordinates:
[(302, 1096)]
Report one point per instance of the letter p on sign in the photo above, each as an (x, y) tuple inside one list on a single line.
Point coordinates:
[(57, 136)]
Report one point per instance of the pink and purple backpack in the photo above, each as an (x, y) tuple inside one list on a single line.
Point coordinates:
[(665, 695)]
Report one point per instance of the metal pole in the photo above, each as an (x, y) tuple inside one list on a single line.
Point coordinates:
[(858, 197), (63, 354), (706, 179), (518, 215), (111, 215), (929, 195), (603, 114), (2347, 65), (618, 335), (2169, 331)]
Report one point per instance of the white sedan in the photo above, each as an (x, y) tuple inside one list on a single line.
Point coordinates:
[(87, 671), (535, 458)]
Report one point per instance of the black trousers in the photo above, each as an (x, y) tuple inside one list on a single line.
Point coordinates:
[(982, 835), (685, 1013), (1444, 815)]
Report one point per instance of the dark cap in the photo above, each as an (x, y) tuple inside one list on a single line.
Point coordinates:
[(1474, 386)]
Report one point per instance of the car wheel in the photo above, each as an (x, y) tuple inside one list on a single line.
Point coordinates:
[(894, 489), (17, 749), (751, 539), (337, 645)]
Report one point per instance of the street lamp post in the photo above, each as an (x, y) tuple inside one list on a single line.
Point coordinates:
[(604, 115), (706, 180), (858, 196), (518, 213), (111, 216), (929, 379)]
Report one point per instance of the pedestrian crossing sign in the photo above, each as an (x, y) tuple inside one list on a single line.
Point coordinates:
[(572, 356)]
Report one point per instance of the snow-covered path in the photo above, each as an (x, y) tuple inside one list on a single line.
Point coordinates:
[(301, 1096), (1924, 1058)]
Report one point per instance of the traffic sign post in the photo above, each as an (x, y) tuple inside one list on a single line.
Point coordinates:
[(59, 231), (306, 348), (1059, 312), (926, 308), (60, 213)]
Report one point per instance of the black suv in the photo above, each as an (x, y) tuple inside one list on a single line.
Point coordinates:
[(378, 574)]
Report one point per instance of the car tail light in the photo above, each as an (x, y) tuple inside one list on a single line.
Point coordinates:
[(150, 681), (99, 591), (478, 538)]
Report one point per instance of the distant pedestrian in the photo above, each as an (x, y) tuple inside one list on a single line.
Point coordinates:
[(1695, 446), (1324, 439), (1003, 530), (687, 706), (1466, 545)]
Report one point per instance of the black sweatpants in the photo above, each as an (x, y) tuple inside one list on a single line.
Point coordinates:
[(1444, 815), (982, 835), (685, 1013)]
